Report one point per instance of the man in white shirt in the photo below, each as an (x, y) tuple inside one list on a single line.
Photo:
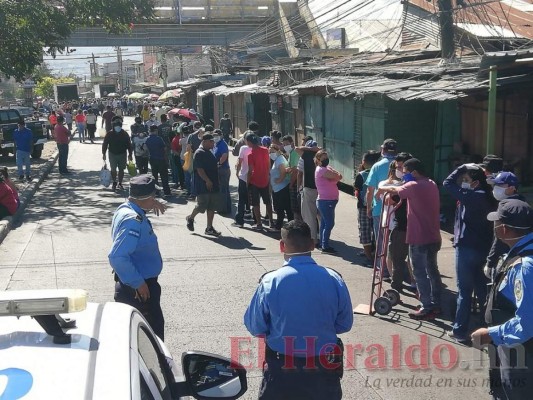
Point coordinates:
[(242, 173)]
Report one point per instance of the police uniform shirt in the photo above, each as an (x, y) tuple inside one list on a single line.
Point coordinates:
[(135, 252), (298, 300), (517, 286)]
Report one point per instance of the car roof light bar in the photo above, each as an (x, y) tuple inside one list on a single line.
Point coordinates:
[(42, 302)]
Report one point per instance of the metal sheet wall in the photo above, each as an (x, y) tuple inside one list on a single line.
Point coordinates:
[(372, 122), (339, 136), (314, 118)]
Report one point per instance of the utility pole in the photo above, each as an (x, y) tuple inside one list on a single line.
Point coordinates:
[(94, 69), (491, 111), (181, 65), (119, 61), (446, 30), (164, 70)]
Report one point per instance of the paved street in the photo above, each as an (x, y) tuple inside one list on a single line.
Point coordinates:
[(63, 239)]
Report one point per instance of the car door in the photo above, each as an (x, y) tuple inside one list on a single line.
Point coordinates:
[(150, 375)]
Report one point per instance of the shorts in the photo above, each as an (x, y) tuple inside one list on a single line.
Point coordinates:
[(256, 193), (366, 232), (117, 160), (208, 202)]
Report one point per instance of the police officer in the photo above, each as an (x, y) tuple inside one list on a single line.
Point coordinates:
[(300, 308), (135, 255), (509, 312)]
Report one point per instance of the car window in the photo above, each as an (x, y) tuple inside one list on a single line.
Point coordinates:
[(13, 116), (150, 356), (3, 116), (145, 390)]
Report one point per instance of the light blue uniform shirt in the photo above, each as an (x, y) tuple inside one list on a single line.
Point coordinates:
[(135, 253), (299, 300), (518, 288), (379, 172)]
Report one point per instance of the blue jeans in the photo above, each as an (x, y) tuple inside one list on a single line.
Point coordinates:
[(63, 156), (326, 209), (23, 159), (426, 272), (81, 130), (469, 263)]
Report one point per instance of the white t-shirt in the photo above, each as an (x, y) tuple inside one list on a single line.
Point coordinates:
[(244, 152)]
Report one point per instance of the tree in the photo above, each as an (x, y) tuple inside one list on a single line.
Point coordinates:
[(45, 87), (29, 26)]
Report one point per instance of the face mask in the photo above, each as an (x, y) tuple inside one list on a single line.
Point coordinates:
[(287, 148), (273, 156), (466, 185), (216, 139), (141, 135), (408, 177), (325, 162), (118, 129), (499, 193), (399, 174)]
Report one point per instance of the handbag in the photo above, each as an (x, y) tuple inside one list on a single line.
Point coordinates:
[(187, 163), (132, 168), (105, 176)]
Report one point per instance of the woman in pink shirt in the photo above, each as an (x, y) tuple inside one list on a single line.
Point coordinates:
[(326, 179)]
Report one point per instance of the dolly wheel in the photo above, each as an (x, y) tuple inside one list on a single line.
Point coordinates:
[(382, 305), (393, 296)]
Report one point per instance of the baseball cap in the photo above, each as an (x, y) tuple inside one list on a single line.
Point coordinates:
[(514, 213), (504, 178), (311, 143), (390, 144), (142, 187), (209, 128), (266, 141)]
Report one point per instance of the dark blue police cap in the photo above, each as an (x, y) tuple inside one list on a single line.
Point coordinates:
[(513, 213), (142, 187)]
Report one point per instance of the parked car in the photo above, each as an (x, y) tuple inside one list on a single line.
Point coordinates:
[(108, 352), (9, 118)]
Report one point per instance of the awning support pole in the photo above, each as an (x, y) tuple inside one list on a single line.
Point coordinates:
[(491, 123)]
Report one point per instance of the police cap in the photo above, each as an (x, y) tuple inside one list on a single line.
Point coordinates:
[(513, 213), (142, 187)]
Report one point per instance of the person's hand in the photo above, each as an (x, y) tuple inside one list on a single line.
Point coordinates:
[(480, 338), (143, 293), (158, 208), (209, 185)]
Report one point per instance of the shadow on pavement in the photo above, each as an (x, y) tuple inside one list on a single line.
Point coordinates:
[(231, 242)]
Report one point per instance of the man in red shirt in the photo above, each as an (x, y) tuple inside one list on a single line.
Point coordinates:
[(259, 179), (62, 138)]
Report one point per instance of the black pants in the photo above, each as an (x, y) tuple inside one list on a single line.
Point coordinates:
[(159, 167), (179, 170), (398, 251), (282, 205), (298, 383), (142, 164), (151, 309), (242, 205), (512, 375)]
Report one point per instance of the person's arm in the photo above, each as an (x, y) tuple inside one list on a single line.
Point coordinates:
[(332, 175), (223, 158), (103, 119), (344, 320), (358, 185), (124, 245), (105, 144), (205, 178), (257, 316), (238, 166), (455, 190)]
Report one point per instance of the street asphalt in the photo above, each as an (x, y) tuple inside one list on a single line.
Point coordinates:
[(63, 238)]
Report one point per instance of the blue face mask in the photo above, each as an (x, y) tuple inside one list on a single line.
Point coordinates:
[(118, 129), (408, 177)]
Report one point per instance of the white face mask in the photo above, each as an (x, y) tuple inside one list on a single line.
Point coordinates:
[(499, 193), (287, 148), (273, 156), (466, 185), (216, 139), (399, 174)]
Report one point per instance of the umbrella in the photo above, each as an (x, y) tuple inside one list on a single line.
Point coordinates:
[(113, 94), (184, 113), (152, 96), (171, 94), (137, 95)]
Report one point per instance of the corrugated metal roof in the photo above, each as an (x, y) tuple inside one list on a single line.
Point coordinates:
[(252, 88)]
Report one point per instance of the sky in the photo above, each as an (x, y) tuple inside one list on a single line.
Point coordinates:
[(77, 62)]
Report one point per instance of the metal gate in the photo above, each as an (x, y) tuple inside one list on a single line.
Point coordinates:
[(314, 118)]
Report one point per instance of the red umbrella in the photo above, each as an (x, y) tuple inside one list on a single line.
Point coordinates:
[(184, 113), (153, 96)]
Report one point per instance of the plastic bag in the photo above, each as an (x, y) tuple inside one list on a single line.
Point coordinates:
[(132, 168), (105, 176), (187, 164)]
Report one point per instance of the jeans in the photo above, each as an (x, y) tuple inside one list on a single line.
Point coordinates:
[(469, 263), (178, 162), (326, 208), (81, 131), (23, 159), (224, 175), (282, 205), (63, 157), (242, 205), (426, 272)]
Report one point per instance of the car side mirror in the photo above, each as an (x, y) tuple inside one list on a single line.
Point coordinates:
[(209, 376)]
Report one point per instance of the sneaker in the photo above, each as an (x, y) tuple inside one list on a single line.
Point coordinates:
[(190, 223), (423, 314), (329, 250), (238, 224), (212, 231), (274, 229), (458, 339), (114, 187), (29, 178), (120, 187), (257, 227)]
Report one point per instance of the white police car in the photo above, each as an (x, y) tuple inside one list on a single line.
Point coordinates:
[(108, 352)]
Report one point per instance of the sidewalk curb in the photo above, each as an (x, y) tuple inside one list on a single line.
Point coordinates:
[(26, 196)]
